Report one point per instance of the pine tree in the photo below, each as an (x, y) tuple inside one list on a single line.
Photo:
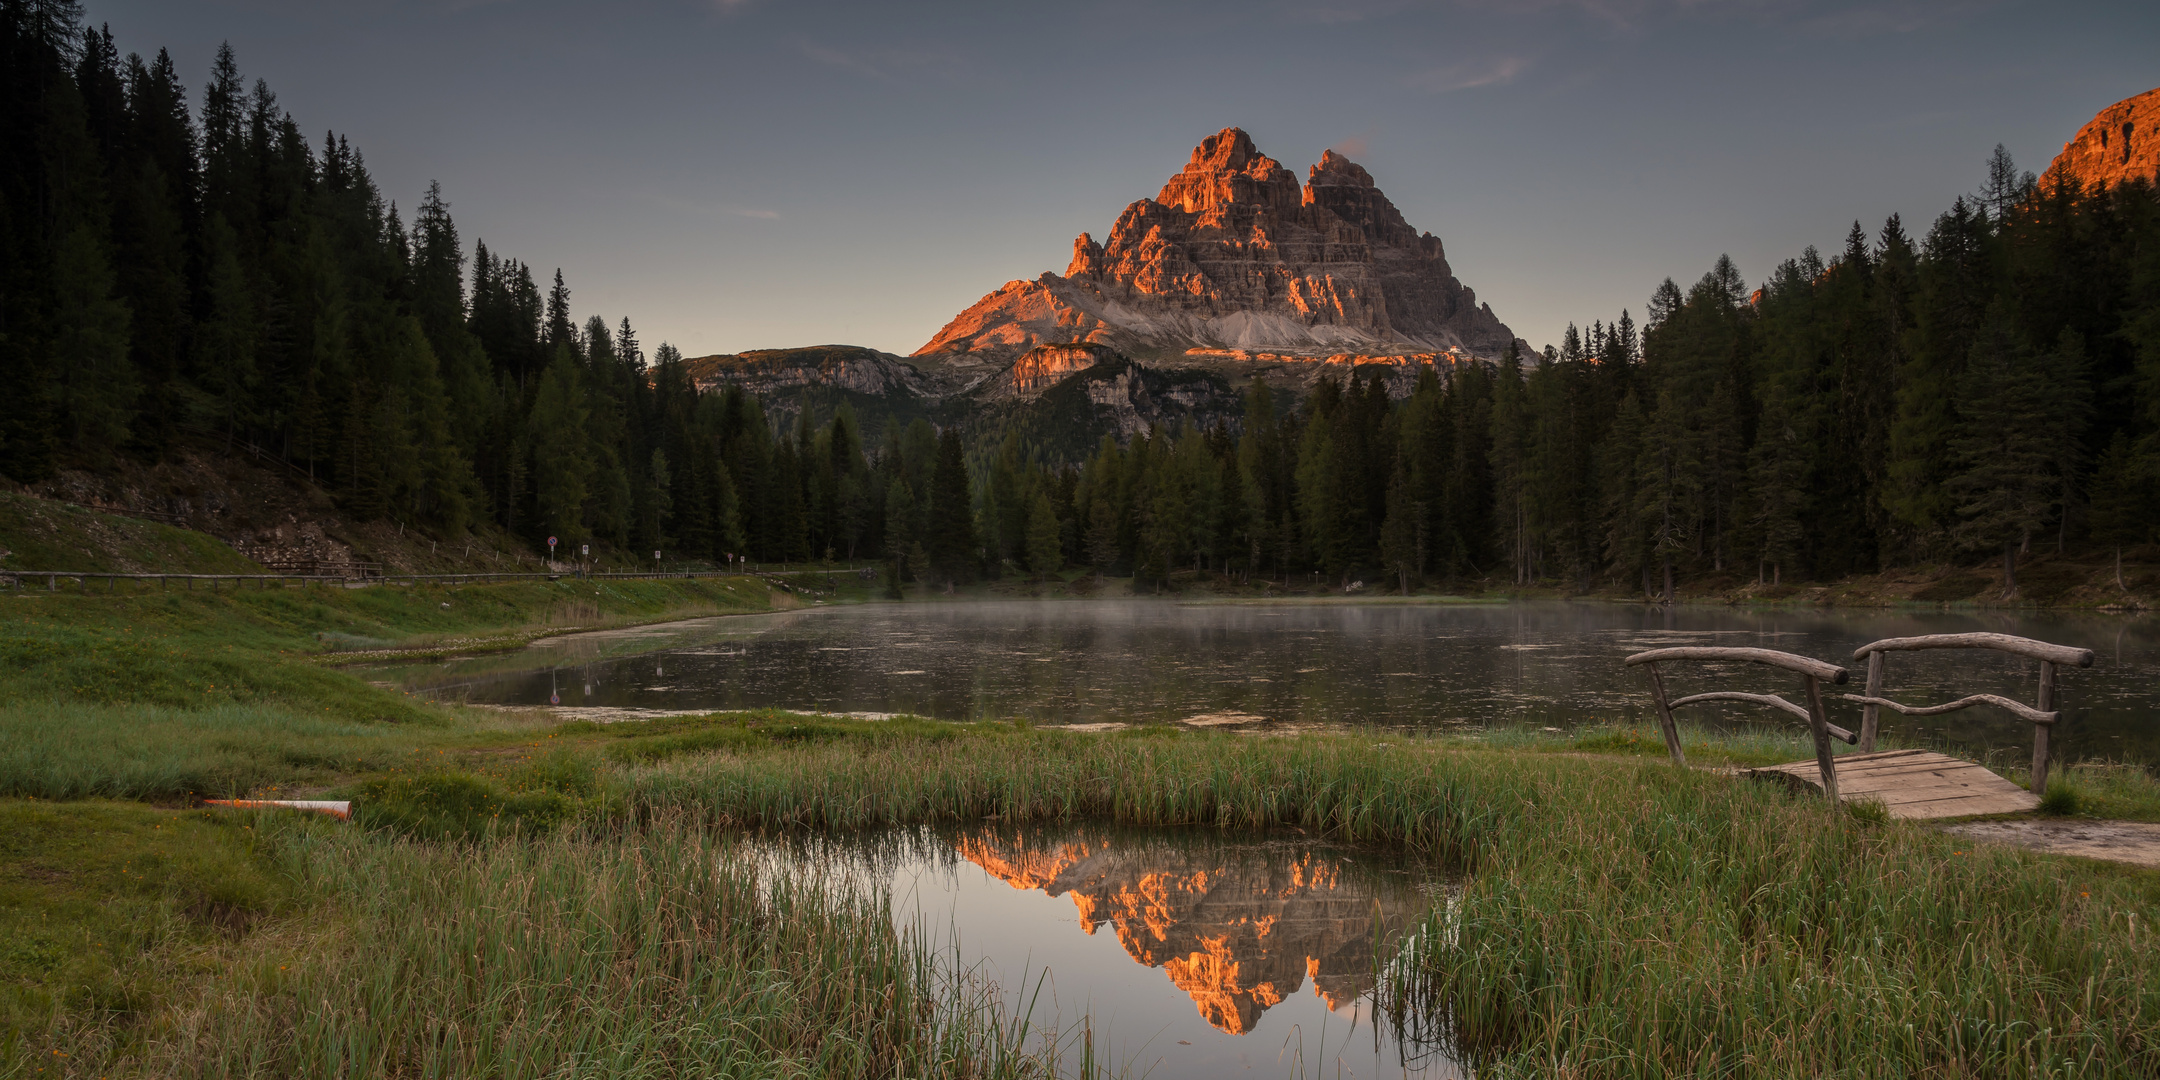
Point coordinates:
[(561, 452), (1401, 534), (2003, 487), (226, 342), (951, 540), (1045, 553), (1667, 483), (90, 346), (2123, 508), (1510, 433)]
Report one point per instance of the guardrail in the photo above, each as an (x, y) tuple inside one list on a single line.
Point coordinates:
[(55, 580)]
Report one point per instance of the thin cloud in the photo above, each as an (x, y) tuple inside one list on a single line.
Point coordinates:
[(884, 64), (1467, 75), (752, 212), (1352, 147)]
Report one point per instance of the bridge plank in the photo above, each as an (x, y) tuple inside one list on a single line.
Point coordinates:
[(1915, 784)]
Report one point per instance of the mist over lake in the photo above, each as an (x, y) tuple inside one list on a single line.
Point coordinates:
[(1384, 665)]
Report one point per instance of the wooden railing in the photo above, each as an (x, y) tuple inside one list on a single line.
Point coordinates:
[(2042, 717), (1813, 671), (373, 574)]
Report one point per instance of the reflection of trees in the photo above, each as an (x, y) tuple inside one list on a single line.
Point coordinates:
[(1239, 929)]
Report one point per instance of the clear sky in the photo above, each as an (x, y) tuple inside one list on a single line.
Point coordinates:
[(740, 174)]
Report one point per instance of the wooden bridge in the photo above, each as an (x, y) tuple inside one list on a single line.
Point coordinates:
[(1909, 783)]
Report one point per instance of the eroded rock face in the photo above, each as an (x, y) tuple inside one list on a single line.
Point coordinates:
[(846, 367), (2120, 144), (1043, 367), (1233, 253), (1237, 932)]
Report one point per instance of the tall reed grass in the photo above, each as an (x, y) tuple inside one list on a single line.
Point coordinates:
[(670, 951), (1620, 919)]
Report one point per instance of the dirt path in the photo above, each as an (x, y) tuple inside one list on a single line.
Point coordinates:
[(2133, 842)]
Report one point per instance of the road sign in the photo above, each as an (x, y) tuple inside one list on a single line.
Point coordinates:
[(551, 543)]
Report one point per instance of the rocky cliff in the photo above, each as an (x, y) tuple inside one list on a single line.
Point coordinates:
[(842, 367), (1238, 931), (2122, 143), (1233, 256)]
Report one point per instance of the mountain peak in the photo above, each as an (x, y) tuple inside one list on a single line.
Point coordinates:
[(1234, 254), (1226, 170)]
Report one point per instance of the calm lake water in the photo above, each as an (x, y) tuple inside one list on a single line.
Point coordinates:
[(1385, 665), (1188, 953)]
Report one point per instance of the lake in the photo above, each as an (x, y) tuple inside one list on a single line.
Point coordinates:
[(1187, 953), (1384, 665)]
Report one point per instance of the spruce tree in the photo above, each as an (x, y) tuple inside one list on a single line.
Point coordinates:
[(951, 541), (1045, 554), (562, 454), (2003, 484), (90, 346)]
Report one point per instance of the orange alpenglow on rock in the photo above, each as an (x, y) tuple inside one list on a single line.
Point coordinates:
[(1237, 935), (2119, 145), (1234, 254)]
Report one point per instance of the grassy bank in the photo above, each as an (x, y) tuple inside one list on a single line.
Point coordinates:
[(40, 534), (523, 897), (169, 695)]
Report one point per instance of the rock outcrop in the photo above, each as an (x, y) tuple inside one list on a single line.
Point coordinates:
[(842, 367), (2120, 144), (1043, 367), (1238, 931), (1233, 254)]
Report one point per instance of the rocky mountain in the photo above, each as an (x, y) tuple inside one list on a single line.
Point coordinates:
[(1233, 263), (1233, 270), (2122, 143)]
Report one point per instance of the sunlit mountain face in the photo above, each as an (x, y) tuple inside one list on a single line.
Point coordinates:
[(1239, 930)]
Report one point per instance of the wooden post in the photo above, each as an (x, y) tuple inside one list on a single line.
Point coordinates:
[(2040, 731), (1665, 720), (1871, 716), (1818, 724)]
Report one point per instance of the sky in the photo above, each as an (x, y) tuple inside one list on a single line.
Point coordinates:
[(745, 174)]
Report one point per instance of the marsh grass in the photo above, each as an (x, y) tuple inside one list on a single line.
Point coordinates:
[(1621, 918), (667, 951), (1748, 743)]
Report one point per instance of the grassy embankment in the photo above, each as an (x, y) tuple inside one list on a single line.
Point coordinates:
[(522, 897)]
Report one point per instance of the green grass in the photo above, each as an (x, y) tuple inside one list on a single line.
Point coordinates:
[(168, 695), (39, 534), (107, 911), (522, 898), (2107, 790)]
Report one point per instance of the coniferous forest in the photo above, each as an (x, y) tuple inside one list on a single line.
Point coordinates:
[(188, 263)]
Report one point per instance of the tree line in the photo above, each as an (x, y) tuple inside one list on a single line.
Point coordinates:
[(1990, 386), (179, 271)]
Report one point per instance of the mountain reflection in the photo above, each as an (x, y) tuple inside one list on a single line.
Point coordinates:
[(1239, 928)]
